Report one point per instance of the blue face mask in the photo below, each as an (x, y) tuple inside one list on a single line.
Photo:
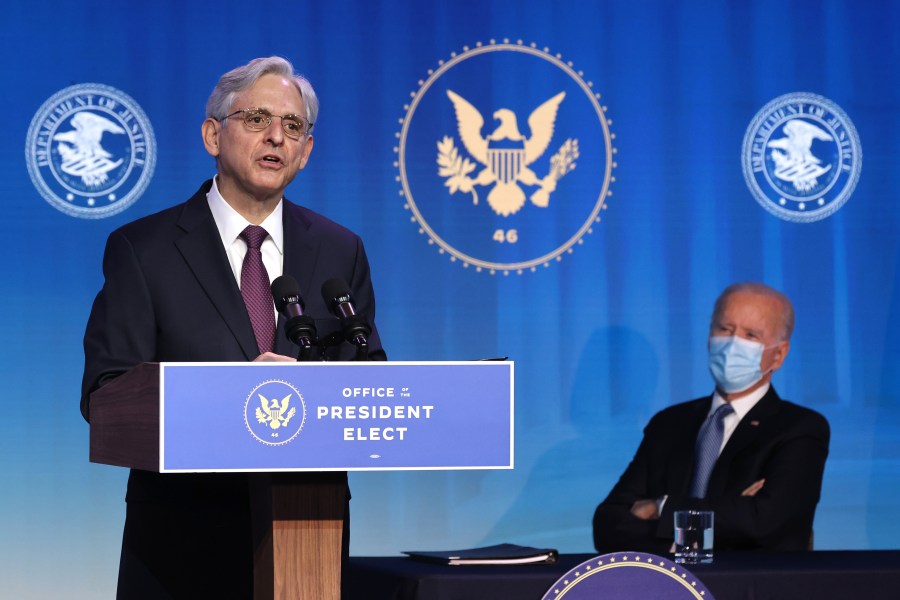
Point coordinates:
[(735, 363)]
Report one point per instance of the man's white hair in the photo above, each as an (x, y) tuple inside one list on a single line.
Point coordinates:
[(237, 80), (786, 318)]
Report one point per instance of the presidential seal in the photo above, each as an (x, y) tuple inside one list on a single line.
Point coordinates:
[(274, 412), (654, 577), (505, 157), (801, 157), (90, 151)]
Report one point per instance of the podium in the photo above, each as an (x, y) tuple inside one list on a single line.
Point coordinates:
[(274, 419)]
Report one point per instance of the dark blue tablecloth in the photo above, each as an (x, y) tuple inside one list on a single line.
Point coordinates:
[(819, 575)]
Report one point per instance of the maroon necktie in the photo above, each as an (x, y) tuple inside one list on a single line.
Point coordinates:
[(255, 289)]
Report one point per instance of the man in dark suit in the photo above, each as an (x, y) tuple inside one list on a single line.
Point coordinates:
[(764, 476), (174, 291)]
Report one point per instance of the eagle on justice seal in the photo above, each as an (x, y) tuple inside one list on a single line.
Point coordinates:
[(506, 155)]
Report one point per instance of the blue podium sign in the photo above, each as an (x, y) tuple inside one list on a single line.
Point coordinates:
[(335, 416)]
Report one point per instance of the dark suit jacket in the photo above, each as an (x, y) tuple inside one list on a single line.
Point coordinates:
[(170, 295), (778, 441)]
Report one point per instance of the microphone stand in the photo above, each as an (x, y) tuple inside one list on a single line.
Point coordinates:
[(301, 329), (362, 351), (354, 330), (305, 353)]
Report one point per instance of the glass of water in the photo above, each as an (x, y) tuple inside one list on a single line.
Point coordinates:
[(693, 536)]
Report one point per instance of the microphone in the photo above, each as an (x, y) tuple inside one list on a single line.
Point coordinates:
[(336, 294), (300, 328)]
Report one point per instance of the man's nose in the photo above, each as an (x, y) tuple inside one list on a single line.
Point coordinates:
[(275, 131)]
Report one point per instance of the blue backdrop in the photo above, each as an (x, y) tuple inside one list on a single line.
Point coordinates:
[(601, 296)]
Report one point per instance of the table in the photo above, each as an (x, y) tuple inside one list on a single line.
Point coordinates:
[(819, 575)]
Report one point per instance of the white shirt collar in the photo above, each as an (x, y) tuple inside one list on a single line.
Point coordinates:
[(230, 222), (742, 405)]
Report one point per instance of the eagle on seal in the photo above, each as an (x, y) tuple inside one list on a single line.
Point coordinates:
[(505, 153)]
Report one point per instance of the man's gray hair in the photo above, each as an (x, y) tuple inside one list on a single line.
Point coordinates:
[(237, 80), (787, 309)]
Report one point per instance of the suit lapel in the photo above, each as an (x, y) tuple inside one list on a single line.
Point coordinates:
[(201, 247), (300, 256), (744, 434), (750, 425)]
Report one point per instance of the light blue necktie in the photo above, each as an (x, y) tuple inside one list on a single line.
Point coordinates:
[(708, 443)]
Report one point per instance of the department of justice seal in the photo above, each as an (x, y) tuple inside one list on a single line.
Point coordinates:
[(801, 157), (505, 157), (274, 412), (90, 151)]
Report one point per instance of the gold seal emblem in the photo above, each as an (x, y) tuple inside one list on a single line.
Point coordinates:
[(506, 155), (537, 206), (274, 412)]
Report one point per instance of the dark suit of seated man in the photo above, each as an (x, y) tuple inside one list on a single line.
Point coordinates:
[(766, 481)]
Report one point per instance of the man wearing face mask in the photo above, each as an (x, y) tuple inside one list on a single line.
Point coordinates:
[(753, 458)]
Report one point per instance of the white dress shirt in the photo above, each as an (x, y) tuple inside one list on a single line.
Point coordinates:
[(741, 407), (230, 224)]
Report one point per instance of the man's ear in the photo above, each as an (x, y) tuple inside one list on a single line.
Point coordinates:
[(210, 132), (307, 149), (781, 352)]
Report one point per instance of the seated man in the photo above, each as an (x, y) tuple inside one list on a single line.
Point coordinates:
[(753, 458)]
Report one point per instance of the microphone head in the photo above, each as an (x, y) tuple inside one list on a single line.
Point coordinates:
[(335, 291), (336, 294), (286, 290)]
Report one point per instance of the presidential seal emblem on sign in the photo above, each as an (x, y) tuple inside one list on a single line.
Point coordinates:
[(801, 157), (90, 151), (505, 157), (651, 575), (274, 412)]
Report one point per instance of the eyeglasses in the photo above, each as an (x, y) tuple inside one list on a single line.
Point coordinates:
[(259, 119)]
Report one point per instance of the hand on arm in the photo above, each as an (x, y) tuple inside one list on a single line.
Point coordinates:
[(646, 509), (753, 488)]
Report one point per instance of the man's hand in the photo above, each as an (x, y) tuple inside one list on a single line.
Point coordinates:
[(645, 509), (272, 357), (754, 487)]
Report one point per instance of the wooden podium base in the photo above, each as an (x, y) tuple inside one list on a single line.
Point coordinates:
[(298, 531)]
